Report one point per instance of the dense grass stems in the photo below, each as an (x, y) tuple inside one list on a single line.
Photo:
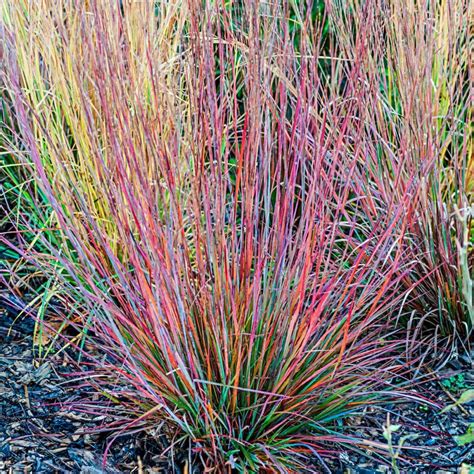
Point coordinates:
[(220, 206), (418, 148)]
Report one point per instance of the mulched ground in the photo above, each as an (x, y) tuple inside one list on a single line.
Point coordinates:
[(38, 434)]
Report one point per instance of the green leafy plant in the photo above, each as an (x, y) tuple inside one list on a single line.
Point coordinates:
[(456, 382), (395, 450), (466, 397), (466, 438)]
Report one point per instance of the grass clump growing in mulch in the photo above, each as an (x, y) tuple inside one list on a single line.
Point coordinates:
[(246, 222)]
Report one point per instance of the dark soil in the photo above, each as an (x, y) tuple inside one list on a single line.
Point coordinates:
[(40, 433)]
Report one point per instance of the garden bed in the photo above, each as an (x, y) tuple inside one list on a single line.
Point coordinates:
[(243, 234), (40, 433)]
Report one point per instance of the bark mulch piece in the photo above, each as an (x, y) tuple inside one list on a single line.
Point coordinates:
[(39, 434)]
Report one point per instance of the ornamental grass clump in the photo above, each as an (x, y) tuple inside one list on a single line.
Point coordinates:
[(195, 160), (76, 95), (418, 148)]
